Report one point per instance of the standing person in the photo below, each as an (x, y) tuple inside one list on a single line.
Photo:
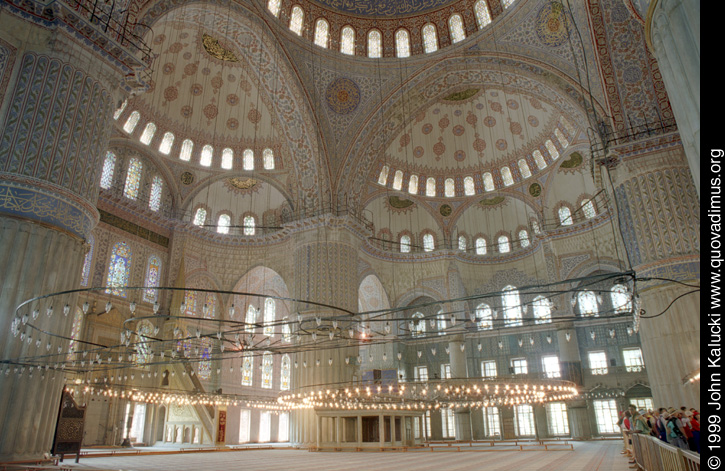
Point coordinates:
[(689, 433), (662, 424), (696, 430), (674, 433)]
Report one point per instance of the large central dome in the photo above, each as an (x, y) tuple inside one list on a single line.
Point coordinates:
[(383, 8)]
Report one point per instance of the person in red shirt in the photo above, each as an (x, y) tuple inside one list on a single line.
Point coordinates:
[(695, 424)]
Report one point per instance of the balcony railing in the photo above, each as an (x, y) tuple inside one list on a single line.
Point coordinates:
[(652, 454)]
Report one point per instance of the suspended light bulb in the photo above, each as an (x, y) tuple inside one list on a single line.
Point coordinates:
[(317, 362), (334, 323), (314, 336), (629, 331), (347, 360), (573, 300), (182, 307), (453, 319), (420, 353), (433, 351), (448, 350), (299, 317), (411, 326), (400, 356), (109, 306), (176, 331), (593, 334), (479, 346), (599, 299), (49, 311), (156, 307), (332, 335), (525, 308), (318, 320), (329, 361), (123, 336), (432, 322), (370, 358), (387, 327), (198, 333), (463, 346), (156, 330), (385, 356), (350, 332), (612, 333), (548, 338), (232, 312), (66, 309), (568, 336), (205, 309), (531, 340), (296, 365), (85, 307), (219, 335), (521, 342), (359, 359), (35, 313), (24, 319)]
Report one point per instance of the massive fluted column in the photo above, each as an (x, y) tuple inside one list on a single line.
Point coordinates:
[(659, 216), (57, 95), (459, 370), (325, 261)]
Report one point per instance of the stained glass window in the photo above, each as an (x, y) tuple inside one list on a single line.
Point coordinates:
[(75, 333), (430, 38), (153, 272), (402, 43), (488, 184), (535, 226), (204, 367), (247, 369), (621, 302), (207, 152), (133, 179), (267, 367), (542, 310), (227, 158), (413, 185), (117, 114), (143, 349), (249, 225), (383, 177), (455, 23), (166, 143), (186, 148), (430, 186), (347, 41), (539, 159), (109, 165), (131, 122), (588, 304), (462, 243), (270, 316), (428, 242), (565, 216), (588, 209), (504, 246), (511, 306), (508, 3), (148, 134), (322, 32), (223, 224), (449, 188), (398, 180), (250, 319), (268, 159), (469, 188), (200, 217), (296, 20), (210, 307), (483, 16), (157, 185), (248, 159), (405, 243), (553, 152), (508, 180), (481, 246), (86, 272), (484, 317), (119, 269), (524, 238), (561, 138), (375, 48), (285, 373), (524, 168), (190, 302)]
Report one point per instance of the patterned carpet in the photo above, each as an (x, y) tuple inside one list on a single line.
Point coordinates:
[(587, 456)]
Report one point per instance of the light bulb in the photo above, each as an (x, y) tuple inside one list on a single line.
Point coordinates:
[(85, 307), (35, 313), (231, 311), (480, 347), (463, 346), (49, 311), (156, 307), (109, 306), (433, 351), (400, 356)]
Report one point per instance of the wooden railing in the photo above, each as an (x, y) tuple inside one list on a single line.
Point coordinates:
[(652, 454)]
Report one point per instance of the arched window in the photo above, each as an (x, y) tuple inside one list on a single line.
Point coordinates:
[(398, 180), (273, 6), (222, 226), (286, 331), (504, 245), (462, 243), (207, 153), (248, 160), (507, 3), (322, 32), (131, 122), (109, 166), (621, 301), (268, 159), (511, 306), (402, 43), (449, 188), (565, 216), (428, 242), (186, 148), (148, 134), (285, 373), (469, 188), (488, 184), (153, 272), (200, 217), (524, 168), (539, 159), (535, 226), (86, 272), (375, 46), (190, 302), (561, 138), (553, 152), (588, 208), (296, 20), (133, 179), (413, 185), (508, 180), (204, 367), (483, 16), (405, 243), (481, 246), (267, 367), (144, 330), (227, 158), (119, 269), (117, 114), (588, 304), (418, 325), (157, 187), (247, 368), (250, 225), (270, 316), (209, 308), (347, 41), (441, 323), (166, 143), (430, 186), (430, 38), (455, 24), (524, 238), (542, 310), (250, 319), (75, 333), (484, 317), (383, 177)]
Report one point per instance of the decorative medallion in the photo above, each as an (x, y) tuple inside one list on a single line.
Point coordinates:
[(399, 203), (492, 201), (187, 178), (342, 95), (446, 210), (574, 160), (242, 183), (214, 49), (551, 25), (462, 95), (535, 190)]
